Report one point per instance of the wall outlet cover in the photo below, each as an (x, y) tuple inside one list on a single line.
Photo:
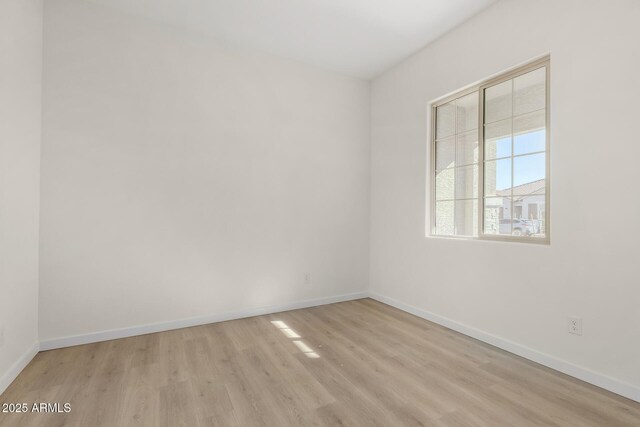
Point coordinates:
[(575, 325)]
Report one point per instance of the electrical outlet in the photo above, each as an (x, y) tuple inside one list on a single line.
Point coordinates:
[(575, 325), (307, 278)]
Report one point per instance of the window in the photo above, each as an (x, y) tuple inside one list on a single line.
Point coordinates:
[(490, 174)]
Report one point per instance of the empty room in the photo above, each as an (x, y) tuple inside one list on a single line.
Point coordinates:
[(319, 213)]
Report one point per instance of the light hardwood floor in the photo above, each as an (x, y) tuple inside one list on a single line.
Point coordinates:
[(358, 363)]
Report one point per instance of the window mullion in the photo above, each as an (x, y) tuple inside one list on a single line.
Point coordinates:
[(480, 204), (455, 162), (513, 146)]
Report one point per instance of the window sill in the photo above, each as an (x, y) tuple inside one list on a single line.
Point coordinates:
[(496, 239)]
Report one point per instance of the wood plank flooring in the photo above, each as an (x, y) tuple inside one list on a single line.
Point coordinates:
[(358, 363)]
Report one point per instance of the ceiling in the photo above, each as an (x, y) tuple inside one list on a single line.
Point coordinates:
[(361, 38)]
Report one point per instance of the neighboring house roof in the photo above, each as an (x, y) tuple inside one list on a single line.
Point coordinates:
[(523, 190)]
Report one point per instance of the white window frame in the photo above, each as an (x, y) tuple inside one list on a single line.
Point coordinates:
[(480, 88)]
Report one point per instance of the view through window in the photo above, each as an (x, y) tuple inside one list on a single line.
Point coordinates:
[(490, 159)]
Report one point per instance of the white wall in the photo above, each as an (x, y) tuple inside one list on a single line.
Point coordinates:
[(20, 107), (184, 179), (524, 292)]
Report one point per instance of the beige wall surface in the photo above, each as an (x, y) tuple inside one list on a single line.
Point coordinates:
[(20, 109), (523, 293), (182, 178)]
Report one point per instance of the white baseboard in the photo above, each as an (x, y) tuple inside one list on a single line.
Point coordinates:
[(603, 381), (196, 321), (7, 378)]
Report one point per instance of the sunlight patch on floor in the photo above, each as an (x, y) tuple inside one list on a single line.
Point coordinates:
[(290, 333)]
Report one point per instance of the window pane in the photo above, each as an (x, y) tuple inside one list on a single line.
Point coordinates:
[(528, 170), (520, 227), (445, 120), (529, 189), (530, 209), (497, 177), (444, 218), (466, 217), (456, 161), (467, 182), (535, 207), (497, 215), (514, 170), (467, 113), (529, 92), (445, 153), (445, 184), (497, 102), (497, 137), (467, 148), (530, 134)]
